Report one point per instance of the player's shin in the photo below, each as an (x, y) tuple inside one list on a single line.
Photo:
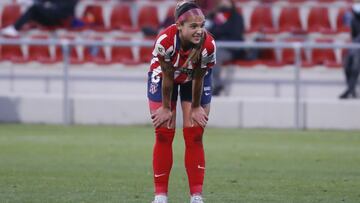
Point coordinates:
[(162, 158), (194, 158)]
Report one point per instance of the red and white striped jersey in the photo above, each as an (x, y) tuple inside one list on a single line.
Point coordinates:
[(167, 46)]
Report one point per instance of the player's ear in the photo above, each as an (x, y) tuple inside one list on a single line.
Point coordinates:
[(178, 25)]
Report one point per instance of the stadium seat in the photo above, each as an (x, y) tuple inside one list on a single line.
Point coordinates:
[(327, 1), (170, 11), (318, 20), (12, 53), (40, 53), (343, 20), (93, 17), (73, 57), (261, 20), (288, 54), (123, 54), (296, 1), (145, 53), (10, 14), (323, 56), (289, 20), (95, 54), (148, 17), (266, 56), (120, 18)]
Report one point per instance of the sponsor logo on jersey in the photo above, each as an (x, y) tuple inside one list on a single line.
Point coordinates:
[(153, 88)]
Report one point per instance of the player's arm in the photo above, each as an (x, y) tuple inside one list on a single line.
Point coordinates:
[(197, 86), (204, 61), (198, 114), (163, 114), (167, 83)]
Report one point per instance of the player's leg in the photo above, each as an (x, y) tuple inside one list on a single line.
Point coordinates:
[(162, 152), (193, 136), (194, 150)]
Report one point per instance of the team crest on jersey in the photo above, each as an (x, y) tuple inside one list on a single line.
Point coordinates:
[(153, 88)]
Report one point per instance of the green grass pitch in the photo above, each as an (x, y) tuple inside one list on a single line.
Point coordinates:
[(96, 164)]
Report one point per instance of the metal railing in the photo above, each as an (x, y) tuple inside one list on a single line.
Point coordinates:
[(296, 46)]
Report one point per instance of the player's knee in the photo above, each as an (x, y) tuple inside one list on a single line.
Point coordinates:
[(193, 136), (165, 135)]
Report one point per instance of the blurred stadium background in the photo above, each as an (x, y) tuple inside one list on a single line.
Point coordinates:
[(107, 85)]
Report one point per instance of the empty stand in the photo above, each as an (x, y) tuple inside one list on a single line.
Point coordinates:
[(262, 20), (323, 56), (120, 18), (95, 54), (73, 55), (40, 53), (148, 17), (123, 54), (12, 53), (288, 54), (318, 20), (145, 53), (289, 20)]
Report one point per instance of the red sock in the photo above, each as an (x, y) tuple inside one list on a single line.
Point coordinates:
[(162, 158), (194, 158)]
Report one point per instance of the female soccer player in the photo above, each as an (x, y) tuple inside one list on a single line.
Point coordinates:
[(182, 59)]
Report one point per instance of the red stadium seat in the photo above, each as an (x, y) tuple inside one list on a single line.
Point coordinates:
[(148, 17), (341, 25), (120, 18), (10, 14), (95, 54), (297, 1), (93, 17), (122, 54), (40, 53), (288, 54), (327, 1), (145, 53), (318, 20), (289, 20), (267, 56), (12, 53), (261, 20), (323, 56), (73, 57), (170, 11)]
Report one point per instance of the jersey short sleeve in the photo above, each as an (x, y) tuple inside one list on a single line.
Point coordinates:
[(163, 47), (208, 54)]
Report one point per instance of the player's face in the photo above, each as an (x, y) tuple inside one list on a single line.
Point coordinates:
[(193, 29)]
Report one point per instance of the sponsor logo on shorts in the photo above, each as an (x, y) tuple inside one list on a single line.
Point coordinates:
[(207, 88)]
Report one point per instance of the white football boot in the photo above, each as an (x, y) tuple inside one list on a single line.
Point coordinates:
[(196, 199), (160, 199), (10, 31)]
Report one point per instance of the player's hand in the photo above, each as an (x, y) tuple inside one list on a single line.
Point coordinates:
[(160, 116), (199, 116)]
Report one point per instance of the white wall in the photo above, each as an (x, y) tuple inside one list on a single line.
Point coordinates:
[(225, 112)]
